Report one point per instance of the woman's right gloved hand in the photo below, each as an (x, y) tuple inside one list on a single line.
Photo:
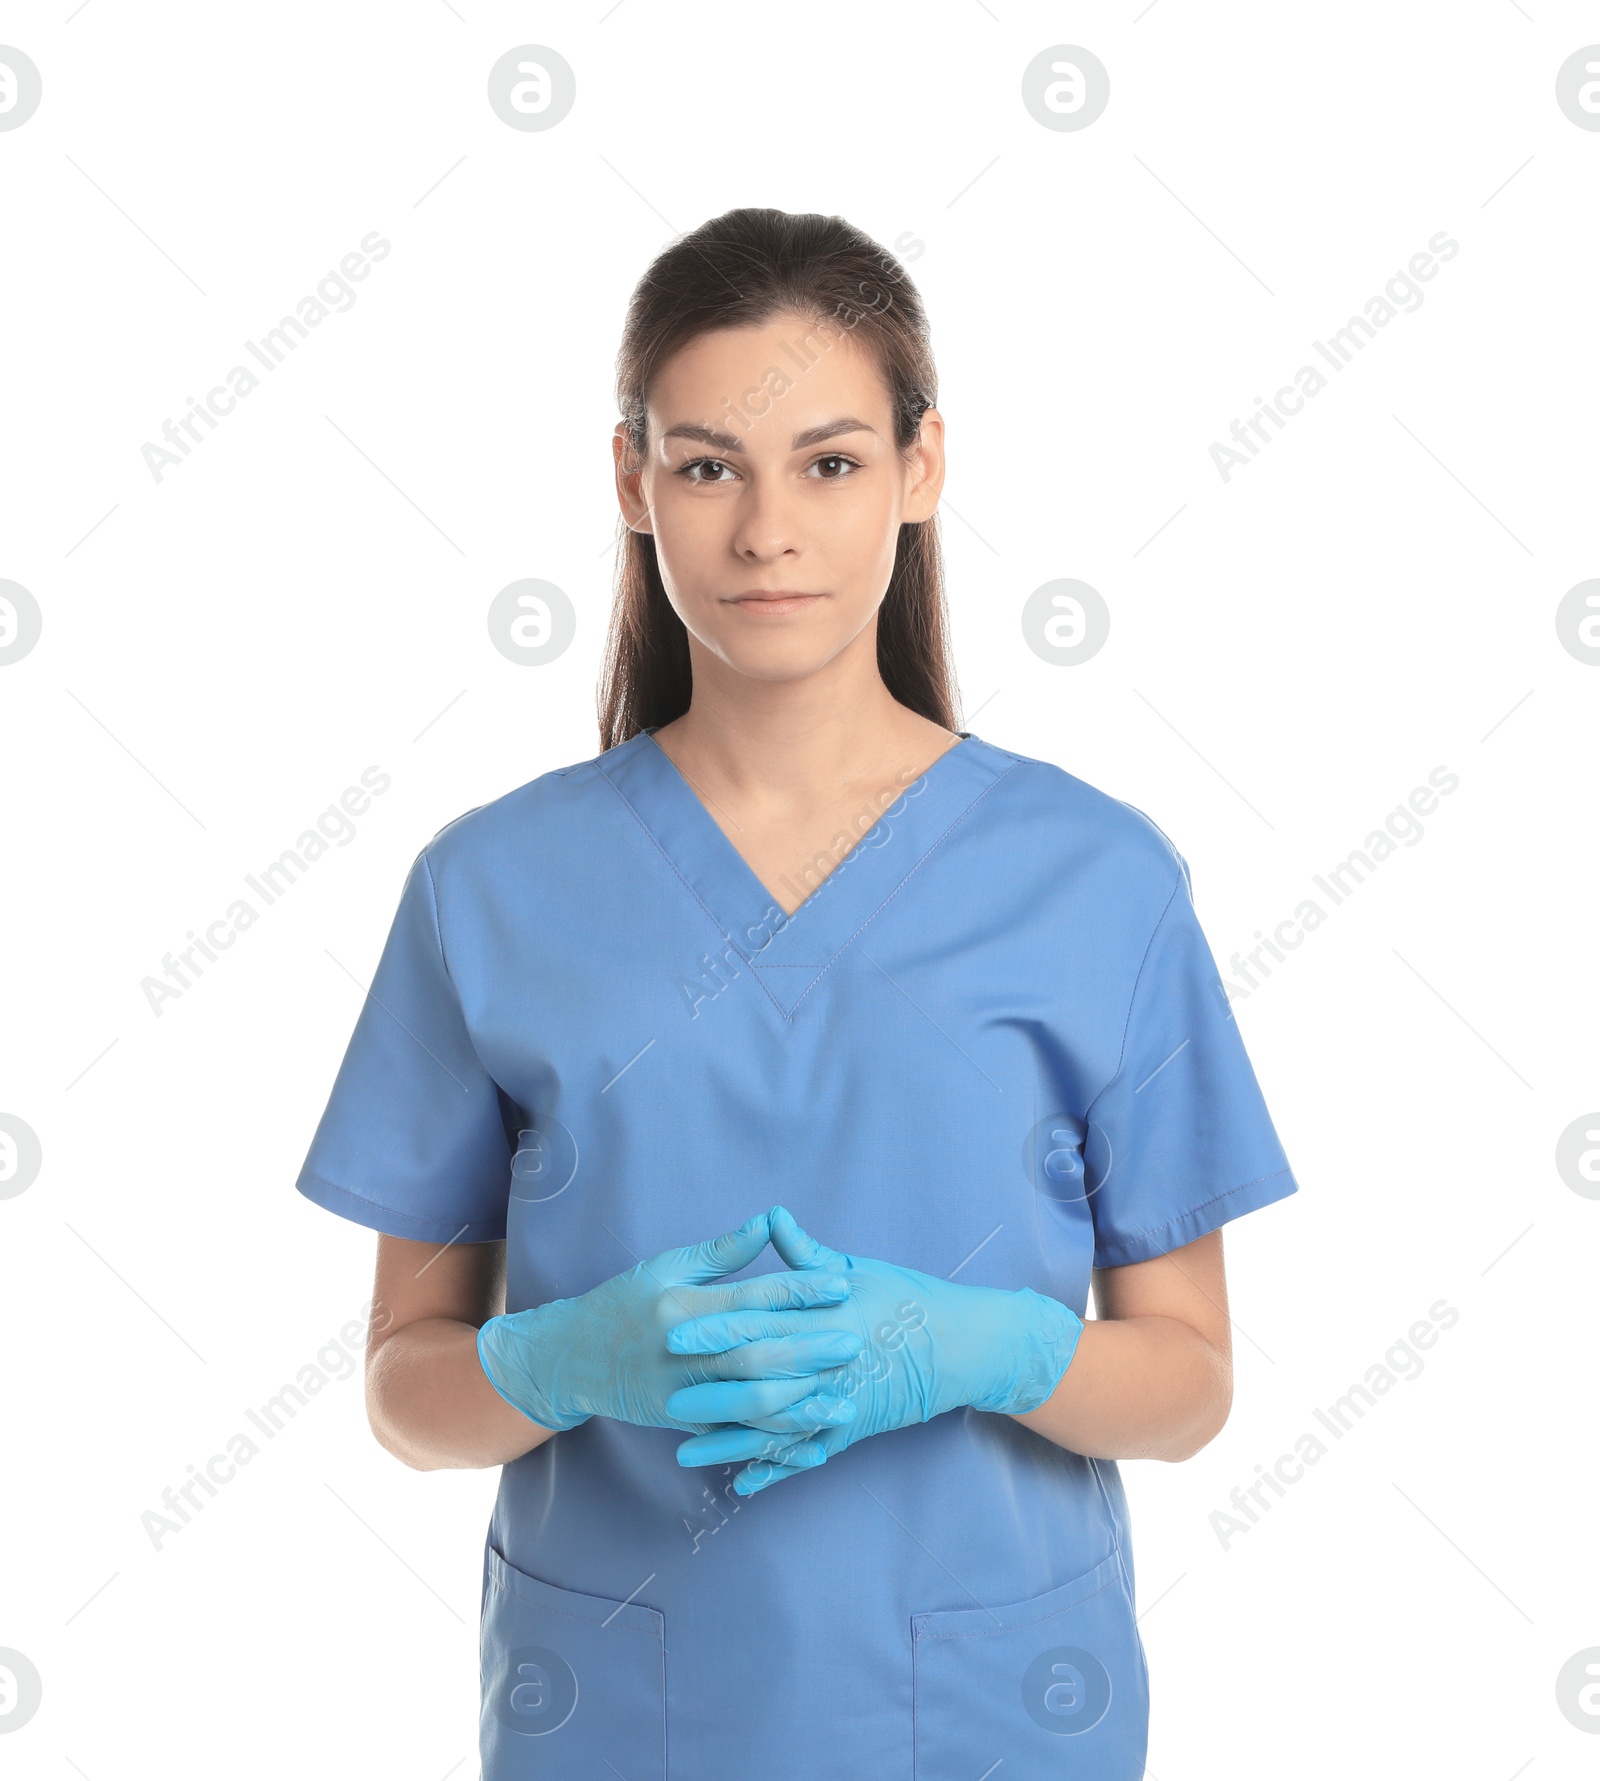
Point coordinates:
[(605, 1352)]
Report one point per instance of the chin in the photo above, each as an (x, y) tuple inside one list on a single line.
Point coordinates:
[(781, 659)]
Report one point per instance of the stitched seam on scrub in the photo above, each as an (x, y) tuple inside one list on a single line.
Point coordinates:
[(673, 866), (566, 1613), (1111, 1531), (989, 1632), (1133, 996), (916, 1704), (384, 1206), (1150, 1230), (926, 852), (444, 965)]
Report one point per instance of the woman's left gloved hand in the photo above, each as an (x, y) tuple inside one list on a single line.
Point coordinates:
[(929, 1345)]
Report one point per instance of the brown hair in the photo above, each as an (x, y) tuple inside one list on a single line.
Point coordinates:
[(737, 271)]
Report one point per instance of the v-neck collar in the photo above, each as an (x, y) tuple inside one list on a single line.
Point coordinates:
[(787, 954)]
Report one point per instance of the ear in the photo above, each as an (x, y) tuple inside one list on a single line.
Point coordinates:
[(926, 469), (629, 473)]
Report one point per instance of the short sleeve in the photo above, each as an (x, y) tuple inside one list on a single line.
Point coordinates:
[(416, 1139), (1180, 1140)]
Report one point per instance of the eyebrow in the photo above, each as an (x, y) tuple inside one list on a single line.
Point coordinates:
[(727, 442)]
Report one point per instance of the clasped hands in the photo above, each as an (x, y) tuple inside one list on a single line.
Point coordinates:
[(782, 1370)]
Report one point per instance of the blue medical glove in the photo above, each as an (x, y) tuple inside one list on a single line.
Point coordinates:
[(605, 1353), (927, 1345)]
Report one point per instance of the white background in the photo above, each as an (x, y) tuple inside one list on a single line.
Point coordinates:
[(224, 651)]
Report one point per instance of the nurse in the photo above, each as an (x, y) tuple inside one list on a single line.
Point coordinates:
[(747, 1112)]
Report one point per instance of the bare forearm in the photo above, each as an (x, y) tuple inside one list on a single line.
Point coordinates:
[(431, 1405), (1137, 1388)]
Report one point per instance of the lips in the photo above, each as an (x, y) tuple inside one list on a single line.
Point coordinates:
[(774, 600)]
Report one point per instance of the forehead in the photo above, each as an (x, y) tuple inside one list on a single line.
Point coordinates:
[(770, 381)]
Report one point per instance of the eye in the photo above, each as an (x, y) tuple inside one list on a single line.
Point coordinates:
[(700, 463), (837, 457)]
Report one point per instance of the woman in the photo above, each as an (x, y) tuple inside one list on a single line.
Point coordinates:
[(797, 975)]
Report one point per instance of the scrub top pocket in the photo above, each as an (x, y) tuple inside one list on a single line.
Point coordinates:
[(1054, 1688), (570, 1682)]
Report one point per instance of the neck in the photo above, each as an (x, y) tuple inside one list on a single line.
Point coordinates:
[(794, 742)]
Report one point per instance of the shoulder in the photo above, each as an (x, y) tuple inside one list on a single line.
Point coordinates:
[(548, 814), (1088, 827)]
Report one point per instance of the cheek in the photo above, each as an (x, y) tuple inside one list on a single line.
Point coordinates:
[(858, 550), (692, 539)]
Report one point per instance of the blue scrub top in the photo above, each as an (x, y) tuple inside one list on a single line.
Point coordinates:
[(993, 1044)]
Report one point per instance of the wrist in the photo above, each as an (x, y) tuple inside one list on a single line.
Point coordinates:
[(520, 1354), (1048, 1335)]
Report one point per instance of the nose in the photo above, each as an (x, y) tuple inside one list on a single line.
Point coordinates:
[(768, 525)]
